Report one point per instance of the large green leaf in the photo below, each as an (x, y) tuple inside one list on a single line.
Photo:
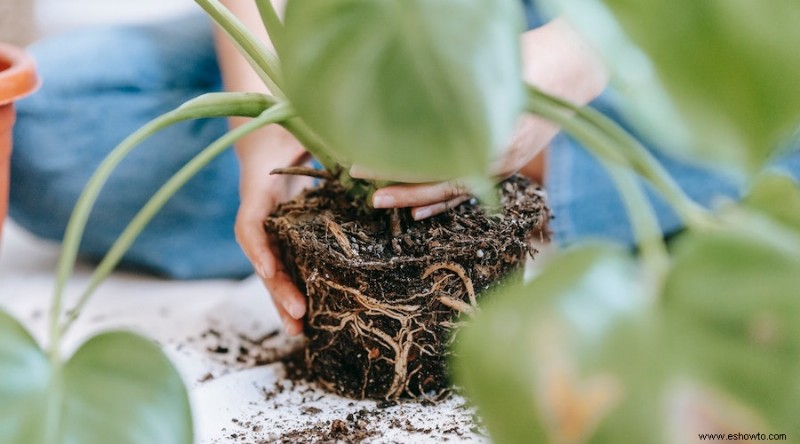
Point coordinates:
[(579, 355), (730, 65), (418, 89), (733, 310), (117, 388), (567, 357)]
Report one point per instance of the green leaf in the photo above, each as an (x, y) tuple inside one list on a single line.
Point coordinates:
[(733, 313), (731, 66), (25, 375), (423, 90), (566, 357), (117, 388), (778, 196), (579, 355)]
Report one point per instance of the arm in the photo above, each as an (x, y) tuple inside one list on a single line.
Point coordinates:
[(258, 154), (558, 61)]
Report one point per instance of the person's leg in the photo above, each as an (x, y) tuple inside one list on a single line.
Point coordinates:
[(586, 204), (99, 86)]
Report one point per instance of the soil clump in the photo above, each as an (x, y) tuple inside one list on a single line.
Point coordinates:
[(386, 294)]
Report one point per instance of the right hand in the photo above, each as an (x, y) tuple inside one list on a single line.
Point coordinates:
[(260, 193), (259, 153)]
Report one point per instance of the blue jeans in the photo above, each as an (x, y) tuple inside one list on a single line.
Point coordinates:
[(100, 85), (85, 108)]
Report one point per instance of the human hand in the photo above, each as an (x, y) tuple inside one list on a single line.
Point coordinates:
[(524, 154), (260, 193)]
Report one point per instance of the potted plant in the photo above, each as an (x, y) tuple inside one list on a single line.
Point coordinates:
[(143, 398), (17, 80)]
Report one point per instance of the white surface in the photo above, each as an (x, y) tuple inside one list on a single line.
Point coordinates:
[(191, 319)]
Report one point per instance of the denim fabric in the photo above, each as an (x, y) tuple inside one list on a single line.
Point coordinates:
[(100, 85), (533, 15), (585, 202)]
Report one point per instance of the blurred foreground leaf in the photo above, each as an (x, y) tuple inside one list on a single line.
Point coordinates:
[(778, 196), (730, 65), (567, 356), (416, 90), (578, 355), (117, 388), (733, 310)]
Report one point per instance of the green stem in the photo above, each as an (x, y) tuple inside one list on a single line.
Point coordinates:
[(267, 66), (635, 155), (272, 23), (643, 220), (263, 61), (276, 114), (645, 224), (312, 142), (209, 105)]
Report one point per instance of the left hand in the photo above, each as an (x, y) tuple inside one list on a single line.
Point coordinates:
[(524, 154)]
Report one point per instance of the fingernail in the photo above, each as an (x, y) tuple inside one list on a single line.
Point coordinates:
[(296, 311), (423, 213), (259, 270), (383, 201)]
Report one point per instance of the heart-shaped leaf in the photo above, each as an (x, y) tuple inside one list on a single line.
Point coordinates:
[(422, 90), (117, 388), (733, 307), (566, 357), (578, 355)]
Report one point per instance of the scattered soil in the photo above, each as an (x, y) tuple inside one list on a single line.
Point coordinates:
[(310, 414), (387, 294)]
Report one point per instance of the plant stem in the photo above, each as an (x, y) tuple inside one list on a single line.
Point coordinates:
[(636, 156), (277, 113), (643, 221), (272, 23), (263, 61), (209, 105), (313, 143)]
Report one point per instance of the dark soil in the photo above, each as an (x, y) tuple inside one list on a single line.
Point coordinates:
[(383, 306)]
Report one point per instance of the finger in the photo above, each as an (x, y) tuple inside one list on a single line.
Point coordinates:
[(286, 294), (421, 195), (291, 326), (252, 237), (427, 211), (288, 300)]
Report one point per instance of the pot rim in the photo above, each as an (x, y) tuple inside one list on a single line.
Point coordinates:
[(19, 78)]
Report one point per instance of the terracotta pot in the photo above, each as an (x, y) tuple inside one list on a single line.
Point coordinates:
[(17, 79)]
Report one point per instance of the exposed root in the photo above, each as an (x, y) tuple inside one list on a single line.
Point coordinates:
[(457, 305), (340, 237), (400, 344), (458, 270), (303, 171), (385, 302), (394, 222)]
